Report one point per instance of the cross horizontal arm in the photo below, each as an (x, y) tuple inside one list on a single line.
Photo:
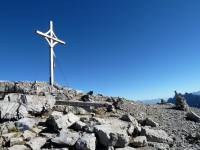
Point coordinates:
[(47, 36)]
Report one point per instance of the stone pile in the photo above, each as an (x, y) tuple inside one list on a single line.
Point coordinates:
[(29, 119)]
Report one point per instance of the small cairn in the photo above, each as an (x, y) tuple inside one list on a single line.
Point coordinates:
[(181, 103)]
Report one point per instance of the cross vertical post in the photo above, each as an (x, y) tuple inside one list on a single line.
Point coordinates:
[(52, 41)]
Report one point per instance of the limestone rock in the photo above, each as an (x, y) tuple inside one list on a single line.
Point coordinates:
[(139, 141), (66, 138), (14, 141), (110, 135), (181, 103), (18, 147), (7, 87), (192, 116), (86, 142), (125, 148), (36, 143), (12, 110), (28, 134), (6, 127), (128, 117), (58, 121), (158, 136), (150, 122), (38, 104), (76, 110), (8, 136), (25, 124), (79, 125)]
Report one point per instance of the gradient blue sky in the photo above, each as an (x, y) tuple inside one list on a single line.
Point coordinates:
[(137, 49)]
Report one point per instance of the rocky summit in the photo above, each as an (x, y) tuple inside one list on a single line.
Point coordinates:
[(34, 115)]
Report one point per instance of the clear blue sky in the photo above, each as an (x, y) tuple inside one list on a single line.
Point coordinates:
[(137, 49)]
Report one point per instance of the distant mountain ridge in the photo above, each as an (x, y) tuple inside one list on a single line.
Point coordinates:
[(152, 101), (192, 99)]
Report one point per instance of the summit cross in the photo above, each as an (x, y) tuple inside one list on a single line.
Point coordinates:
[(52, 41)]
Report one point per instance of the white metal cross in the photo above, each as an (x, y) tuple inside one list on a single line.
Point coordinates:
[(52, 41)]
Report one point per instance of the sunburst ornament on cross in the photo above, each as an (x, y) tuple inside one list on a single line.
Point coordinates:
[(52, 41)]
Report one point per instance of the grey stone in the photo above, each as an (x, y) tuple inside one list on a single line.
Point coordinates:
[(6, 126), (28, 134), (86, 142), (58, 121), (139, 141), (16, 141), (7, 87), (8, 136), (84, 119), (36, 143), (192, 116), (129, 118), (12, 110), (25, 124), (181, 103), (158, 136), (125, 148), (78, 92), (130, 129), (38, 104), (79, 125), (66, 138), (76, 110), (18, 147), (150, 122), (110, 135)]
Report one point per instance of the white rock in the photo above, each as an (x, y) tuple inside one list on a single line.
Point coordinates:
[(150, 122), (112, 135), (128, 117), (14, 141), (28, 134), (66, 138), (139, 141), (158, 136), (18, 147), (25, 124), (8, 136), (37, 104), (125, 148), (36, 143), (86, 142), (12, 110), (58, 121)]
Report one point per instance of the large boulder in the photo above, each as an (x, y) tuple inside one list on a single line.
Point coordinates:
[(7, 87), (58, 121), (112, 135), (139, 141), (38, 104), (66, 138), (36, 143), (181, 103), (159, 136), (150, 122), (86, 142), (193, 116), (25, 124), (12, 110), (129, 118)]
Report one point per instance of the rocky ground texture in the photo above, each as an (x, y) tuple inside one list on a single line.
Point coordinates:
[(34, 115)]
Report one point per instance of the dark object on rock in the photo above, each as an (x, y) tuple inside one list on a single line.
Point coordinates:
[(90, 93), (163, 101), (192, 116), (181, 103), (86, 98)]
